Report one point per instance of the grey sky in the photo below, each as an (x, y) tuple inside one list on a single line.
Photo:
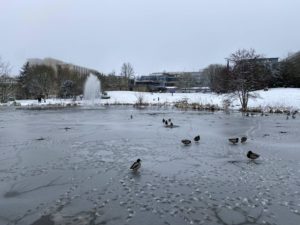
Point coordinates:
[(153, 35)]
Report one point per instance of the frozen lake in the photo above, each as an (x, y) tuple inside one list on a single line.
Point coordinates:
[(71, 166)]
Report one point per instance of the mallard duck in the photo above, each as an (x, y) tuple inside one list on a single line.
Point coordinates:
[(197, 138), (243, 139), (252, 155), (233, 140), (40, 139), (186, 141), (136, 165)]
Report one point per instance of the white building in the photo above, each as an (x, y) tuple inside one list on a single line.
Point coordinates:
[(55, 63)]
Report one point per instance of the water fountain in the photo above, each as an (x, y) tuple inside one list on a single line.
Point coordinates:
[(92, 90)]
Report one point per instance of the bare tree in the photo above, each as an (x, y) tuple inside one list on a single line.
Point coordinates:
[(246, 72), (127, 70), (40, 84), (4, 67), (140, 99), (7, 84)]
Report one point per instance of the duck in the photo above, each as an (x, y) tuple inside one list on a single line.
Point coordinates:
[(136, 165), (197, 138), (163, 120), (171, 124), (233, 140), (186, 141), (166, 123), (169, 120), (252, 155), (40, 139), (243, 139)]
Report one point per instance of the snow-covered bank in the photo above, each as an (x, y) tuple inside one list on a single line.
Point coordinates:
[(278, 98)]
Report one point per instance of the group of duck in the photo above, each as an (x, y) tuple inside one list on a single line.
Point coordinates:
[(236, 140), (187, 141), (168, 123), (293, 114), (288, 114), (251, 155)]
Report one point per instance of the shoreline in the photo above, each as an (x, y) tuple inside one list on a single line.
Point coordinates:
[(276, 100), (186, 107)]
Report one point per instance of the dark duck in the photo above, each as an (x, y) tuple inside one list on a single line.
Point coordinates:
[(243, 139), (252, 155), (186, 141), (233, 140), (197, 138), (136, 165)]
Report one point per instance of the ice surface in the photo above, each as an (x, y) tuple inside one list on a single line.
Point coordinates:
[(81, 175)]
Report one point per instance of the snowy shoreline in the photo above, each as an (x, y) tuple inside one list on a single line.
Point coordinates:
[(276, 99)]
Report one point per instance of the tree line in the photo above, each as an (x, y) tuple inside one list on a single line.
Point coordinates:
[(43, 81), (248, 65), (245, 71)]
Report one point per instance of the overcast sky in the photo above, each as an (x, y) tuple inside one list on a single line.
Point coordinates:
[(153, 35)]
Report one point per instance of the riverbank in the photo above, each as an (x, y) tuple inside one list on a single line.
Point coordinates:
[(273, 100)]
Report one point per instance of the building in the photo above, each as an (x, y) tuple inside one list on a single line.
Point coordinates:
[(270, 63), (157, 81), (189, 79), (55, 63), (169, 81)]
